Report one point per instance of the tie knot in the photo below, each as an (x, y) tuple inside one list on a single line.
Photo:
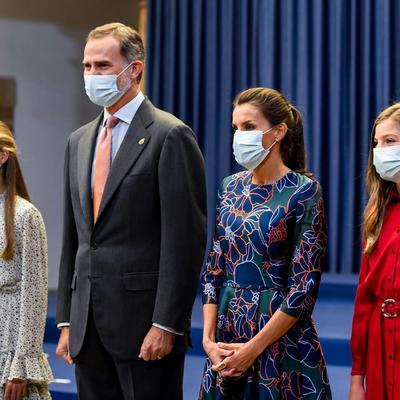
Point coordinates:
[(111, 121)]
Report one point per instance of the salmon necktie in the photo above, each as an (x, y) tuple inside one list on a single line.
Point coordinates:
[(102, 163)]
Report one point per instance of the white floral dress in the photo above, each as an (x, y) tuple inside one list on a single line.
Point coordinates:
[(23, 302)]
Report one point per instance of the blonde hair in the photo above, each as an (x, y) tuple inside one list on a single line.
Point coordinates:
[(379, 189), (15, 185), (131, 44)]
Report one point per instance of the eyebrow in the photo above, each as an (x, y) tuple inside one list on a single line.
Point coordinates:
[(100, 62), (249, 121), (389, 134)]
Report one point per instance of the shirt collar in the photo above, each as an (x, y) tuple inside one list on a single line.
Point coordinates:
[(128, 111)]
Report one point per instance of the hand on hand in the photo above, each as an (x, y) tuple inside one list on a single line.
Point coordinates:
[(215, 353), (243, 357), (157, 344), (15, 389), (62, 349)]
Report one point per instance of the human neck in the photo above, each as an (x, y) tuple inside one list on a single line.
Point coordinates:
[(269, 171), (131, 93)]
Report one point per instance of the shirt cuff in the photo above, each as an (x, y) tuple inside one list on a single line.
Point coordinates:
[(62, 325), (170, 330)]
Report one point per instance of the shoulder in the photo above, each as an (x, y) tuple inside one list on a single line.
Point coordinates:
[(78, 133), (27, 214), (307, 190), (149, 112), (302, 183), (168, 125), (166, 119)]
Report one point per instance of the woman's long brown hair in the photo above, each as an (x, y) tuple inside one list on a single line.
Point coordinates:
[(379, 190), (15, 185)]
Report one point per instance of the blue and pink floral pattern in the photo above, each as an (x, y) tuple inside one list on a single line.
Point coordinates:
[(266, 255)]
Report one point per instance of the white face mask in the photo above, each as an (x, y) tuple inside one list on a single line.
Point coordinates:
[(387, 163), (248, 149), (103, 89)]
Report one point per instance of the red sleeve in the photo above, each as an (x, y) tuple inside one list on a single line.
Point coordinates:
[(363, 308)]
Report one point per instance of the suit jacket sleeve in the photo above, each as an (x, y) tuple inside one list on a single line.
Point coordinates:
[(183, 227), (69, 249)]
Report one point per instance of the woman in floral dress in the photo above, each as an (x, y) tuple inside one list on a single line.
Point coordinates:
[(261, 280), (24, 369)]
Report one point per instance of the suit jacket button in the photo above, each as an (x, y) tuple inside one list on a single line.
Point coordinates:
[(94, 245)]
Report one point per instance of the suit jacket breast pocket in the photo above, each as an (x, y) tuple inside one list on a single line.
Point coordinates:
[(139, 281), (137, 177)]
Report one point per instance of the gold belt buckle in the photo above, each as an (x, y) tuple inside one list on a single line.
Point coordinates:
[(384, 312)]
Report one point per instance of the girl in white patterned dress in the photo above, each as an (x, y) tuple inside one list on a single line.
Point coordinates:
[(24, 370)]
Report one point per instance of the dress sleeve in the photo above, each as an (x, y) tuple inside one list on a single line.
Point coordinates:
[(363, 307), (310, 241), (29, 361), (212, 276)]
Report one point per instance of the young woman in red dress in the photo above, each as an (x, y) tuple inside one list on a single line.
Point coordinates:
[(375, 338)]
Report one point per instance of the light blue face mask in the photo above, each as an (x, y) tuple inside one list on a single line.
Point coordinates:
[(103, 89), (387, 163), (248, 149)]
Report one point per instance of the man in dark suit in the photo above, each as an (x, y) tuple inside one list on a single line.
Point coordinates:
[(134, 233)]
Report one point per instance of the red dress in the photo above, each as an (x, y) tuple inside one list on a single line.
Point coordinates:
[(375, 338)]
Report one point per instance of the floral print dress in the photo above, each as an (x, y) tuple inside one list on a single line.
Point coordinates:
[(266, 255), (23, 303)]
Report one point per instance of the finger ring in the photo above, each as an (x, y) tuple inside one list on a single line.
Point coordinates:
[(221, 366)]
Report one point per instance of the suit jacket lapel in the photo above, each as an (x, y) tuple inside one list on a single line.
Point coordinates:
[(85, 158), (135, 141)]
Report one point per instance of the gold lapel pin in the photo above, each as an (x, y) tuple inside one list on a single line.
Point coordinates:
[(141, 141)]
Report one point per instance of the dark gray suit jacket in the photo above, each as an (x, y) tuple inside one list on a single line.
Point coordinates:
[(139, 263)]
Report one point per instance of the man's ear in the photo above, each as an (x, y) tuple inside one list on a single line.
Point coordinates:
[(137, 69)]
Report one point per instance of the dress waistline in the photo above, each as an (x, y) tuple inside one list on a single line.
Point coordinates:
[(390, 308), (260, 288)]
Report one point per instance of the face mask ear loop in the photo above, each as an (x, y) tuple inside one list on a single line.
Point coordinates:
[(126, 68), (272, 145), (268, 130)]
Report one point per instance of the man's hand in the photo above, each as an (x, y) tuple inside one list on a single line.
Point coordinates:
[(157, 344), (15, 389), (62, 349)]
